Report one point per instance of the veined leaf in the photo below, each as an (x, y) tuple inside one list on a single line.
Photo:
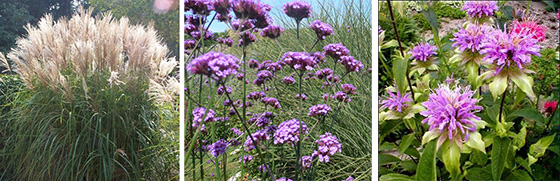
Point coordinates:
[(500, 148), (427, 165)]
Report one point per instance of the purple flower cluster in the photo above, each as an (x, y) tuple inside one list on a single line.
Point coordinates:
[(328, 146), (323, 73), (321, 29), (297, 10), (271, 101), (262, 121), (396, 102), (348, 88), (255, 95), (236, 131), (301, 96), (221, 90), (471, 37), (503, 49), (198, 114), (336, 50), (288, 80), (319, 57), (254, 63), (254, 11), (190, 44), (305, 162), (288, 131), (270, 66), (351, 64), (218, 148), (259, 136), (423, 52), (214, 63), (319, 110), (284, 179), (451, 111), (272, 31), (299, 61), (247, 38), (341, 96), (226, 41), (262, 77), (246, 158), (480, 8), (201, 7)]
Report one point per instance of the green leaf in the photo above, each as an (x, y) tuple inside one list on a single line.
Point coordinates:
[(405, 142), (478, 158), (500, 148), (519, 140), (408, 165), (395, 177), (429, 136), (412, 152), (477, 174), (451, 157), (519, 96), (389, 44), (427, 165), (525, 83), (527, 113), (472, 70), (555, 149), (519, 175), (400, 65), (432, 18), (386, 159), (492, 113), (523, 163), (498, 86), (475, 141), (539, 148)]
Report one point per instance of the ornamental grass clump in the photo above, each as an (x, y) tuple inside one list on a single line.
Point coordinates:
[(98, 103)]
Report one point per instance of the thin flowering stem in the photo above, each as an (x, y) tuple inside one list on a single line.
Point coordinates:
[(400, 46), (314, 44), (297, 30), (244, 124), (200, 139), (298, 151), (502, 105)]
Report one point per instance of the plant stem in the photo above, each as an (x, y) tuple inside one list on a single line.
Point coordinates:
[(400, 46), (479, 88), (502, 105), (200, 138), (297, 28), (314, 44), (298, 151), (244, 109)]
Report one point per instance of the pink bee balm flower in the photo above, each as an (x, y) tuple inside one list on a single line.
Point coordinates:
[(451, 112), (423, 52), (532, 26), (396, 102), (550, 106), (501, 49)]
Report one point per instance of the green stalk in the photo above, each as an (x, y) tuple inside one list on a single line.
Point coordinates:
[(502, 105), (200, 139), (298, 151), (244, 108)]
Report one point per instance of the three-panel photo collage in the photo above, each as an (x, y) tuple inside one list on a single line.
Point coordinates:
[(279, 90)]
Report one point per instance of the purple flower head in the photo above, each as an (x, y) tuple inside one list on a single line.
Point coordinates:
[(272, 31), (263, 167), (471, 37), (319, 110), (234, 142), (270, 66), (480, 8), (227, 102), (284, 179), (262, 21), (208, 35), (223, 17), (423, 52), (198, 114), (247, 25), (327, 97), (214, 63), (271, 129), (396, 102), (255, 95), (301, 96), (341, 96), (246, 158), (262, 121), (271, 101), (379, 30), (328, 146), (319, 57), (236, 131), (288, 80), (195, 20), (249, 9), (321, 29), (262, 77), (348, 88), (222, 6), (248, 104), (218, 148), (190, 44), (323, 73), (336, 50), (305, 162), (451, 111), (502, 49), (226, 41), (240, 76), (189, 28), (253, 63), (349, 179), (299, 61), (200, 7), (268, 115), (288, 131), (247, 38), (351, 64), (297, 10), (221, 90), (259, 136)]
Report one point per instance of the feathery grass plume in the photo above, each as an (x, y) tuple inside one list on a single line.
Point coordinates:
[(99, 103), (4, 63)]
